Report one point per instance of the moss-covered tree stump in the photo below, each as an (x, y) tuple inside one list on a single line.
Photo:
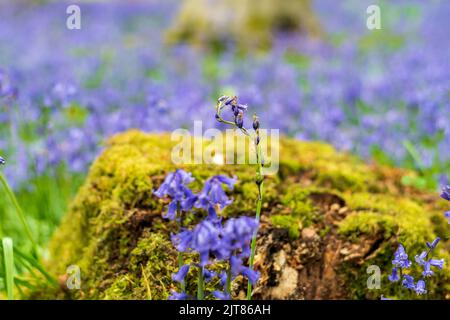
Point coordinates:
[(326, 217), (247, 23)]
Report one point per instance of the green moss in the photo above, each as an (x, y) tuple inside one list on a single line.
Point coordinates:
[(301, 207), (393, 220), (376, 213), (114, 231), (367, 222), (293, 224)]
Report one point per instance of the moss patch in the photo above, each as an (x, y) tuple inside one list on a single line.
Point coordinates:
[(114, 231)]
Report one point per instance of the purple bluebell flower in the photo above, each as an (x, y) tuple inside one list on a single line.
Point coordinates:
[(427, 272), (434, 243), (447, 215), (181, 274), (171, 211), (237, 268), (439, 263), (446, 193), (208, 275), (394, 276), (237, 234), (251, 275), (408, 282), (205, 240), (384, 298), (2, 160), (255, 122), (239, 120), (401, 258), (420, 287), (238, 108), (182, 241), (178, 296), (213, 194), (420, 259), (223, 278), (229, 100), (221, 295), (174, 186)]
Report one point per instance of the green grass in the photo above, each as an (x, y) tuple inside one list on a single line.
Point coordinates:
[(8, 266), (29, 216)]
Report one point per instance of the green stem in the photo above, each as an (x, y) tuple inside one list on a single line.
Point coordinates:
[(228, 284), (259, 182), (259, 178), (19, 211), (200, 284)]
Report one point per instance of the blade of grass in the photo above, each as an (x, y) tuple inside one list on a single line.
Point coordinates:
[(33, 263), (19, 211), (8, 258), (414, 154)]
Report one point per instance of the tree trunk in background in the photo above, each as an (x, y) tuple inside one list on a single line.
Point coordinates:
[(248, 23)]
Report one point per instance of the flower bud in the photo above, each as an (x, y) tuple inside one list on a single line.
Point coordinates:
[(239, 120), (255, 122)]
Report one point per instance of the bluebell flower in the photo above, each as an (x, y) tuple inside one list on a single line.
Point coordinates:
[(401, 258), (171, 211), (394, 276), (213, 194), (2, 160), (238, 268), (205, 240), (384, 298), (223, 278), (439, 263), (251, 275), (408, 282), (434, 243), (229, 100), (420, 287), (238, 108), (446, 193), (447, 215), (178, 296), (239, 120), (221, 295), (420, 259), (255, 122), (174, 186), (427, 272), (237, 234), (208, 275), (182, 241), (181, 274)]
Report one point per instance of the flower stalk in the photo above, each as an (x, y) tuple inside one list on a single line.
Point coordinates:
[(238, 111)]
